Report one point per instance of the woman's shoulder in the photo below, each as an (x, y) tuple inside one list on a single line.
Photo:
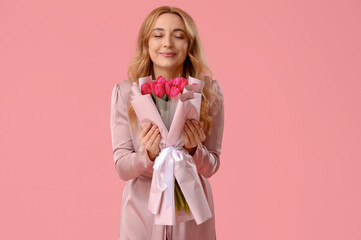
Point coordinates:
[(122, 89), (124, 86), (217, 88)]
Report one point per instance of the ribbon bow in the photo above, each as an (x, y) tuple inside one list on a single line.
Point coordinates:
[(166, 159)]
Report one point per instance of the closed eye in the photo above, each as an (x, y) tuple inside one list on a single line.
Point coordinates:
[(162, 36)]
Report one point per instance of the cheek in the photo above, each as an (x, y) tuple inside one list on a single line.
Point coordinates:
[(152, 50), (152, 46), (185, 48)]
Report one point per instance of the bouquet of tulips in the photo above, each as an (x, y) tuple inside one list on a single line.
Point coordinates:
[(165, 95), (176, 193)]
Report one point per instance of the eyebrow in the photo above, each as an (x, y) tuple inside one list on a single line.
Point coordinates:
[(162, 29)]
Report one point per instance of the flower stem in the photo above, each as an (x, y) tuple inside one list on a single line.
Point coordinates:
[(179, 195)]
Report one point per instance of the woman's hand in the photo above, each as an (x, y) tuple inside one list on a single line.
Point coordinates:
[(193, 135), (150, 139)]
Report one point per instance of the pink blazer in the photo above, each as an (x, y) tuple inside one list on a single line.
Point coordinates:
[(134, 166)]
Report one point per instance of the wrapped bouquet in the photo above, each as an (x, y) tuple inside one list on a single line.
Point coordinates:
[(176, 193)]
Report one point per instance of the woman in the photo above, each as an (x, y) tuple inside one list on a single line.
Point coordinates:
[(168, 45)]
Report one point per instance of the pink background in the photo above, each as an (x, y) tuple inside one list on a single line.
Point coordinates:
[(291, 76)]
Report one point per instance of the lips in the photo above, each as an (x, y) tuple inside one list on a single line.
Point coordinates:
[(167, 54)]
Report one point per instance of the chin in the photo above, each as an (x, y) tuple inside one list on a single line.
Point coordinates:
[(165, 65)]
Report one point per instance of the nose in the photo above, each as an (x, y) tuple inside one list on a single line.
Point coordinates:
[(168, 41)]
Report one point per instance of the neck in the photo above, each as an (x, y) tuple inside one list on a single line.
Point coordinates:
[(167, 74)]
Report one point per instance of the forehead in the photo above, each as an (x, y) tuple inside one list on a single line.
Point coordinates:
[(168, 21)]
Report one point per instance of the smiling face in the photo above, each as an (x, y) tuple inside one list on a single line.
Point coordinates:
[(168, 44)]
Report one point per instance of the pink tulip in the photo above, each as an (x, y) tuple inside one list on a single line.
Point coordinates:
[(168, 86), (159, 90), (174, 91), (151, 85), (161, 79), (146, 88), (171, 81), (183, 84), (177, 82)]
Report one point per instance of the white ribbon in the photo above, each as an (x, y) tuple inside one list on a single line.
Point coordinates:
[(165, 163)]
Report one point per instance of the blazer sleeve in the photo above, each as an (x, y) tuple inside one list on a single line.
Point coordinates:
[(207, 154), (128, 163)]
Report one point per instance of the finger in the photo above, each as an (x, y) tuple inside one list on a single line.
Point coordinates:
[(186, 139), (190, 134), (153, 137), (145, 129), (149, 134), (194, 133), (201, 135), (156, 142)]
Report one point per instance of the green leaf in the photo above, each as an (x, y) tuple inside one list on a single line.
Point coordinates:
[(165, 97), (153, 97)]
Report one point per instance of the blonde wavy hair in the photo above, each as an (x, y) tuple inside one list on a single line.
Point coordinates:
[(195, 64)]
